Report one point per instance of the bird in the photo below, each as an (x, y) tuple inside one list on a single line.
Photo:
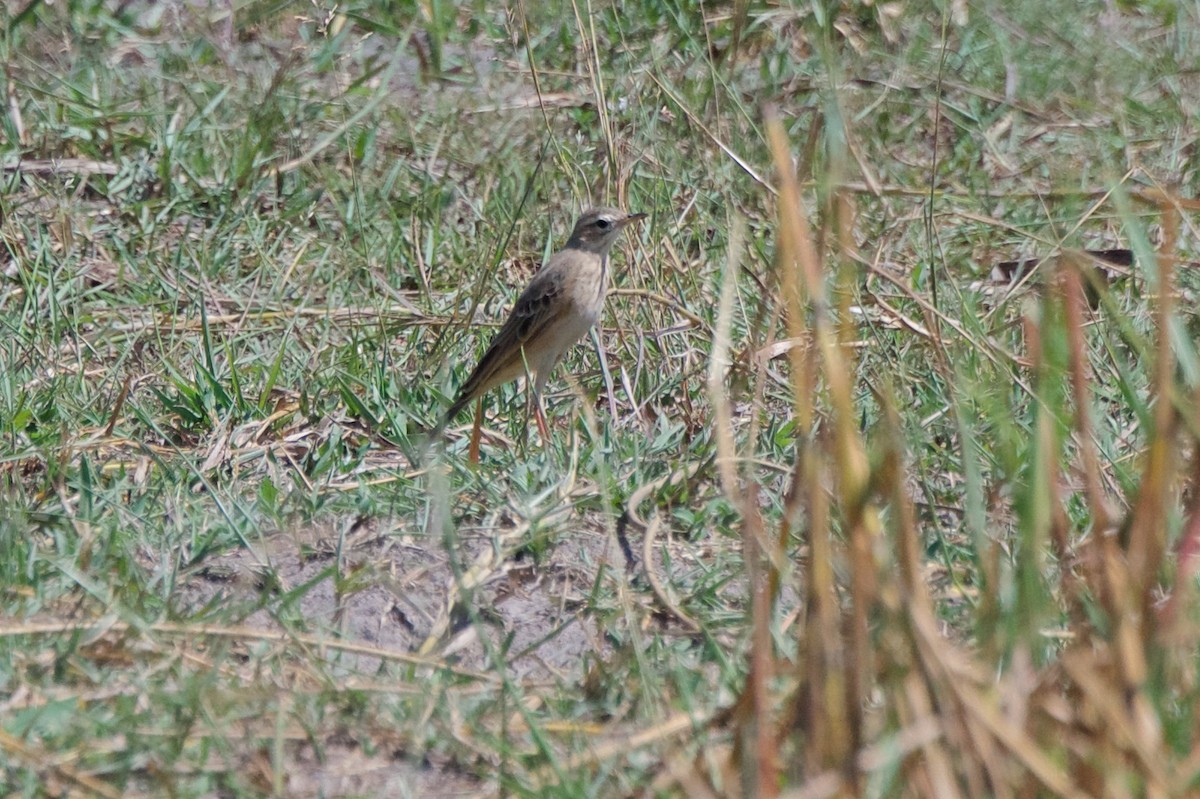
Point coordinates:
[(559, 306)]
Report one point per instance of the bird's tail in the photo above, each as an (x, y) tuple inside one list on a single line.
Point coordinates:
[(464, 399), (432, 435)]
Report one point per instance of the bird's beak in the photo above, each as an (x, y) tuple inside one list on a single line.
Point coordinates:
[(632, 218)]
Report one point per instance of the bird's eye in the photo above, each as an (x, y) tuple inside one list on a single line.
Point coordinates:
[(603, 224)]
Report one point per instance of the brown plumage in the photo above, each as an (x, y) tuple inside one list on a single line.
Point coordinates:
[(555, 310)]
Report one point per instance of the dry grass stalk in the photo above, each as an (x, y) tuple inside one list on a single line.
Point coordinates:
[(872, 656)]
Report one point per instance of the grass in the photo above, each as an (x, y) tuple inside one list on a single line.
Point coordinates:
[(837, 513)]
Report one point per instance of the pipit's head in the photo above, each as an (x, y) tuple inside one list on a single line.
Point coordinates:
[(598, 228)]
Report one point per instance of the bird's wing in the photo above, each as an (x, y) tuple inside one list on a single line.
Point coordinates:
[(540, 304)]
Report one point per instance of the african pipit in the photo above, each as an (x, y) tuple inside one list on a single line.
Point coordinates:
[(555, 310)]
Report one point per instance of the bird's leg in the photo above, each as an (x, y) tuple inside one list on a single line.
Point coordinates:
[(539, 414), (476, 434), (540, 417)]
